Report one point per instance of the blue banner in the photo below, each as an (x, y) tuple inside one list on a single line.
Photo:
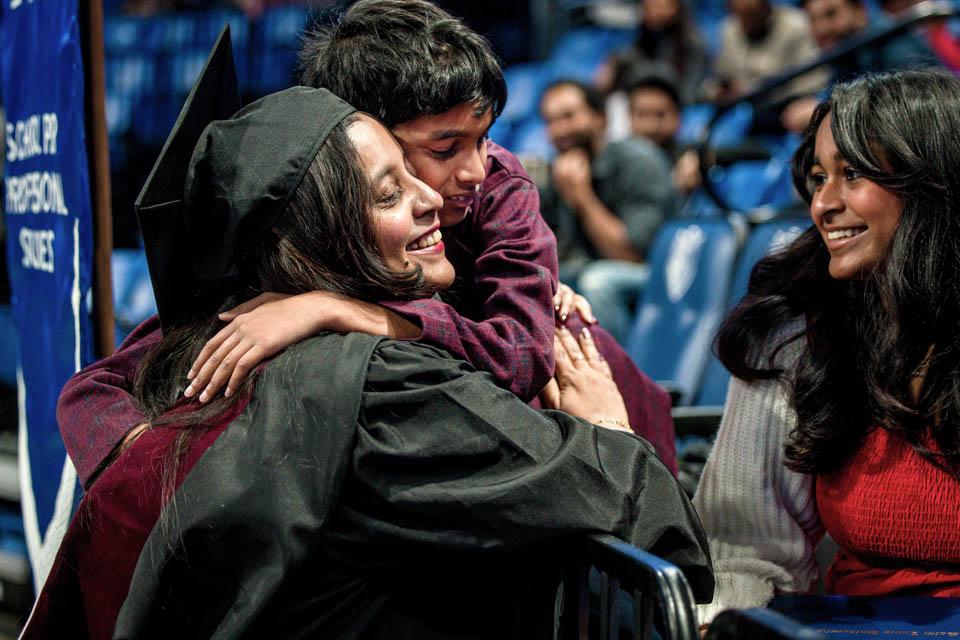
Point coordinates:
[(47, 208)]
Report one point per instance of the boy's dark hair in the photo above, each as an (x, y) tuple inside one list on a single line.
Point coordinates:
[(400, 59), (591, 95), (654, 77)]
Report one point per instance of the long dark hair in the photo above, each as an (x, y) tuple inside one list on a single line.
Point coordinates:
[(864, 343), (323, 241)]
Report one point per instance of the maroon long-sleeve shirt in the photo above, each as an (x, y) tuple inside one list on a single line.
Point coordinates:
[(498, 316)]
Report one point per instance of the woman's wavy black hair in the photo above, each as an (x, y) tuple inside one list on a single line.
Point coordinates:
[(865, 345)]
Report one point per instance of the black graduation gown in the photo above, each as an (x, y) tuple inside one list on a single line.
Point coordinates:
[(375, 488)]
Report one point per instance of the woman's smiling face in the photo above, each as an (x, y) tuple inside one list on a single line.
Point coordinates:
[(857, 218), (405, 212)]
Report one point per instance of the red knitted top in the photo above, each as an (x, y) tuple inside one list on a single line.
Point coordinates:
[(896, 518)]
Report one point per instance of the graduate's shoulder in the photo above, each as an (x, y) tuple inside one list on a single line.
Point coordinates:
[(412, 361), (381, 358)]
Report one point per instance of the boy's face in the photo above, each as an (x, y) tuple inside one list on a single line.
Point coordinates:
[(448, 151), (654, 115)]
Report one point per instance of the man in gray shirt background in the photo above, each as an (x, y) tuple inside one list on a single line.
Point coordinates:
[(605, 201)]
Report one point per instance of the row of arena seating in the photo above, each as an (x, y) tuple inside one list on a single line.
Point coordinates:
[(151, 63)]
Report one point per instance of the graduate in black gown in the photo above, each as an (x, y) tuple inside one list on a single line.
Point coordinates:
[(356, 487)]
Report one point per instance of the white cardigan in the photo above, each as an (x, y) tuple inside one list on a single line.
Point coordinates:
[(761, 518)]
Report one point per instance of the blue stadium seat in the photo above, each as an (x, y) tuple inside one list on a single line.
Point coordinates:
[(751, 184), (155, 115), (691, 268), (184, 67), (176, 31), (119, 112), (710, 22), (9, 347), (133, 300), (693, 121), (125, 34), (591, 44), (764, 239), (273, 45), (700, 205), (530, 138), (525, 82), (732, 127), (742, 185), (129, 74)]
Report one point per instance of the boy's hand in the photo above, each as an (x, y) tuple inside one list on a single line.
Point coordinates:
[(271, 322), (257, 329), (566, 300)]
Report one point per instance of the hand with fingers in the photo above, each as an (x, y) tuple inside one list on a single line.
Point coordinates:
[(583, 385), (567, 300), (271, 322), (256, 330)]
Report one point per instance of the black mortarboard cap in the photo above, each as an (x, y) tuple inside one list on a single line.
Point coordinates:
[(159, 207), (242, 175), (223, 178)]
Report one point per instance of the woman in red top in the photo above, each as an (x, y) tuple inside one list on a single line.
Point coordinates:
[(846, 348)]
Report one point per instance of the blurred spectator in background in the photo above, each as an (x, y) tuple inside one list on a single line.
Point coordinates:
[(604, 201), (654, 103), (668, 35), (760, 41), (832, 21), (938, 37), (655, 112)]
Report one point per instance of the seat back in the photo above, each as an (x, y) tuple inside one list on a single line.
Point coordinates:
[(691, 268), (763, 240)]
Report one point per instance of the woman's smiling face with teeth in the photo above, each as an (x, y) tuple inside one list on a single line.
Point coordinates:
[(857, 218), (405, 210)]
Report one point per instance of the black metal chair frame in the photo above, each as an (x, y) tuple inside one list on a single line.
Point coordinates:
[(658, 589)]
